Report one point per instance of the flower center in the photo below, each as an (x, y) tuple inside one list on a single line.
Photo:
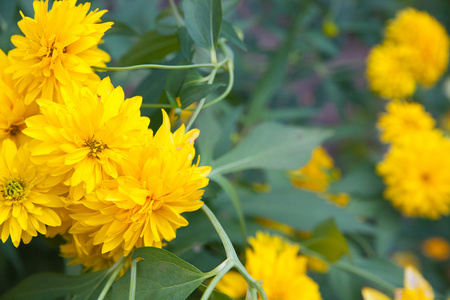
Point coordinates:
[(96, 147), (13, 190), (13, 130)]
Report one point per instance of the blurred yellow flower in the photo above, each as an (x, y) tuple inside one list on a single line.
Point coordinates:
[(416, 171), (388, 73), (403, 118), (280, 268), (415, 288), (317, 174), (427, 39), (58, 49), (28, 197), (14, 111), (436, 248), (406, 258), (143, 206), (330, 28)]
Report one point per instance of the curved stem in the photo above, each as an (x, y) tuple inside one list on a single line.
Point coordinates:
[(156, 105), (154, 66), (115, 269), (225, 268), (228, 89)]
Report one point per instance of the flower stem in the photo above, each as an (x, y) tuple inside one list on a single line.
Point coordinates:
[(224, 269), (115, 269), (133, 278), (154, 66), (176, 14)]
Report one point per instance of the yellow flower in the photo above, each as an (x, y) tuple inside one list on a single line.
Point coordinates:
[(181, 115), (416, 171), (415, 288), (143, 207), (330, 28), (403, 118), (388, 71), (87, 137), (317, 174), (14, 111), (436, 248), (58, 49), (282, 271), (427, 39), (28, 198)]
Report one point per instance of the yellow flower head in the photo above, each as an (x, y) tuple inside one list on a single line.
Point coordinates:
[(317, 174), (143, 206), (415, 288), (403, 118), (28, 198), (280, 268), (14, 111), (87, 137), (427, 39), (58, 49), (436, 248), (417, 172), (388, 72)]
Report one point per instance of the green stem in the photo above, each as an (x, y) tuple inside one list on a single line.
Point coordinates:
[(115, 269), (157, 105), (224, 269), (154, 66), (364, 274), (231, 253), (228, 89), (176, 14), (132, 295)]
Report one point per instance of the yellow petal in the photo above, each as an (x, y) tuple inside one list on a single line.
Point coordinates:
[(371, 294)]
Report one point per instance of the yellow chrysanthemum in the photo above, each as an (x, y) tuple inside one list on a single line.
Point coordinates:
[(437, 248), (317, 174), (14, 111), (87, 137), (428, 41), (143, 206), (58, 49), (403, 118), (282, 271), (388, 71), (415, 288), (28, 198), (417, 172)]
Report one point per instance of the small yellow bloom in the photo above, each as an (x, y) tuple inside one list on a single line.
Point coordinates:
[(58, 49), (436, 248), (87, 137), (427, 39), (280, 268), (416, 171), (28, 197), (415, 288), (403, 118), (388, 72), (330, 28)]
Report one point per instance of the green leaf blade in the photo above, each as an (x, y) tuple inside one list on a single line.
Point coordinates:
[(203, 20)]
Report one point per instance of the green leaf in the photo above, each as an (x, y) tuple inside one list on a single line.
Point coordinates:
[(120, 28), (160, 275), (203, 20), (193, 92), (186, 42), (149, 48), (300, 209), (54, 285), (272, 146), (328, 241), (229, 31), (215, 295), (210, 134)]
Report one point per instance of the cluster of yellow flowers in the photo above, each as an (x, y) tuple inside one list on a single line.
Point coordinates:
[(416, 167), (415, 288), (277, 264), (77, 158), (415, 50)]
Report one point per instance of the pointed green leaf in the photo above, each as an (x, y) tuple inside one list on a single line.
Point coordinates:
[(271, 146), (193, 92), (160, 275), (54, 286), (203, 20), (229, 32)]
